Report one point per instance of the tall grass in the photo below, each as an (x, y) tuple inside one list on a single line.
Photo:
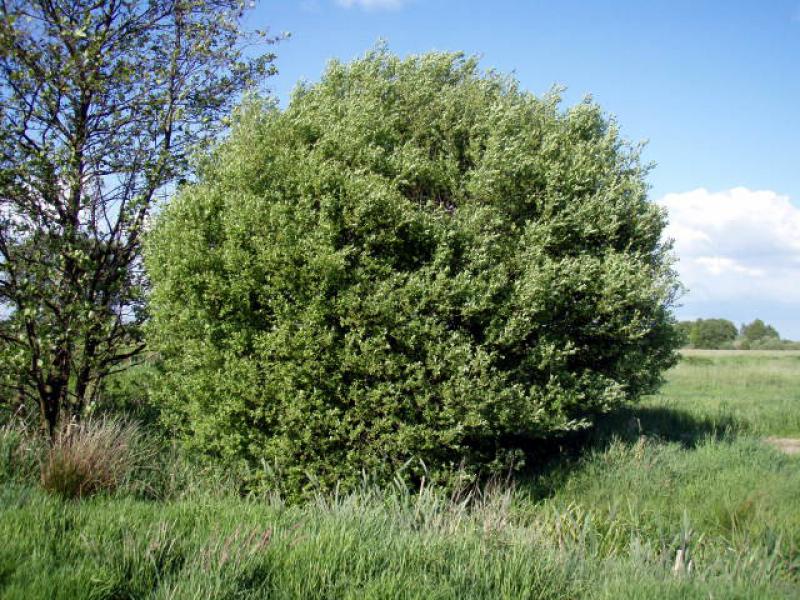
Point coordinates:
[(92, 456), (369, 544), (759, 390), (107, 455), (21, 450), (678, 498)]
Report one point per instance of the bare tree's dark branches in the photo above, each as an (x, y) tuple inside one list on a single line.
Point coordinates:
[(101, 104)]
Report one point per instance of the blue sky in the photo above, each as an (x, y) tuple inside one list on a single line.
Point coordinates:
[(713, 86)]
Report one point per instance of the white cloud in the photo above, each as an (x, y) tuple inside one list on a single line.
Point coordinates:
[(736, 246), (717, 265), (373, 4)]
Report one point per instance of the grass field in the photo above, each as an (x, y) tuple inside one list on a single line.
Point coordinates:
[(678, 498)]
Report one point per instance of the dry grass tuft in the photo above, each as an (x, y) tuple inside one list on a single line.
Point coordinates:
[(90, 457)]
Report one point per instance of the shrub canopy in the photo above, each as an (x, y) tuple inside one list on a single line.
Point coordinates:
[(414, 260)]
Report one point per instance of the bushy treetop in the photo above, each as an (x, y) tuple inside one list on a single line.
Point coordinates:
[(414, 260), (712, 333), (758, 330)]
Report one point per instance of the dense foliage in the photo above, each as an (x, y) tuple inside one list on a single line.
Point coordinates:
[(414, 260)]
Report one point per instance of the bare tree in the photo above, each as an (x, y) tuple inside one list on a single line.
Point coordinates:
[(101, 105)]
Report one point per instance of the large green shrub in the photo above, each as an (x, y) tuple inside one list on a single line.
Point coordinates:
[(414, 260)]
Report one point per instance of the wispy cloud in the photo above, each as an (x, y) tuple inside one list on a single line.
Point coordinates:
[(373, 4), (719, 265), (310, 6), (738, 245)]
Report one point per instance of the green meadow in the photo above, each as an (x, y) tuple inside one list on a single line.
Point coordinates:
[(679, 497)]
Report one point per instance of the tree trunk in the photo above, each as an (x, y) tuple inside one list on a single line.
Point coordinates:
[(50, 405), (53, 397)]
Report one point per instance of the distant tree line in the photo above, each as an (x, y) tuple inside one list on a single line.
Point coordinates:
[(722, 334)]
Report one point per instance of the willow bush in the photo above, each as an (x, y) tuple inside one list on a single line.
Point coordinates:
[(416, 268)]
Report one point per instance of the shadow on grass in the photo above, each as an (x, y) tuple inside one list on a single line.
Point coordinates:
[(551, 461), (663, 423)]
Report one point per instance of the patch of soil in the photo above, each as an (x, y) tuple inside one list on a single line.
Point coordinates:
[(785, 445)]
